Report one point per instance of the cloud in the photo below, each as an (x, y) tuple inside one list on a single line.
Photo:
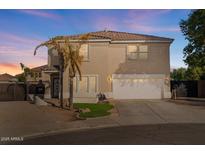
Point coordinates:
[(147, 29), (105, 22), (142, 21), (148, 21), (10, 68), (15, 49), (12, 56), (12, 38), (14, 68), (41, 13), (10, 65), (146, 15), (11, 51)]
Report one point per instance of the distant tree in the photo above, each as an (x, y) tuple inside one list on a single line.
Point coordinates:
[(26, 71), (191, 73), (20, 77), (178, 74), (195, 73), (194, 31)]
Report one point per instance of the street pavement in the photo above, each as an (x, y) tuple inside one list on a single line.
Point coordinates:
[(161, 134)]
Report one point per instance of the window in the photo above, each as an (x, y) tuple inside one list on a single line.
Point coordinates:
[(132, 52), (36, 74), (137, 52), (88, 84), (143, 52), (39, 75), (83, 84), (84, 51), (92, 84)]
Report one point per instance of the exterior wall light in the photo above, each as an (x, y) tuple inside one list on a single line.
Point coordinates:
[(109, 78)]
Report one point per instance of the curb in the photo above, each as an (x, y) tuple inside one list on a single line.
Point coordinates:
[(188, 102), (65, 130)]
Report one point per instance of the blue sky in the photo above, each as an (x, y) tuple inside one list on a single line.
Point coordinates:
[(22, 30)]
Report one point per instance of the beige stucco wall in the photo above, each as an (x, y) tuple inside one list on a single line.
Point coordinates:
[(157, 62), (106, 59)]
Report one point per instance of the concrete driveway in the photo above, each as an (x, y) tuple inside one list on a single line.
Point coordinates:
[(157, 111), (19, 118)]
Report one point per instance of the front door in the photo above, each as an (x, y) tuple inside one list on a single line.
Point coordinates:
[(55, 87)]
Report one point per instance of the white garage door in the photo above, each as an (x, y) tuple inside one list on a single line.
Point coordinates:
[(87, 87), (137, 88)]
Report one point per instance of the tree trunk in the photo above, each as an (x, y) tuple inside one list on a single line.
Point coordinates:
[(61, 81), (15, 91), (71, 93), (26, 90)]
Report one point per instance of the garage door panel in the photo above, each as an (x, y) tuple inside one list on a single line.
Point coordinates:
[(137, 89)]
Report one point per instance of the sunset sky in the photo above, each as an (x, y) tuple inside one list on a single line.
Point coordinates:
[(22, 30)]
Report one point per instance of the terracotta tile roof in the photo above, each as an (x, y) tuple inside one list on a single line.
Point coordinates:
[(43, 68), (6, 77), (36, 69), (120, 36), (40, 68)]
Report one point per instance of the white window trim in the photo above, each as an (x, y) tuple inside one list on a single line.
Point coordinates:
[(137, 52), (88, 75)]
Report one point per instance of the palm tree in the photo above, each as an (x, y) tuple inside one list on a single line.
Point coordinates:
[(69, 56), (74, 62), (54, 44), (26, 72)]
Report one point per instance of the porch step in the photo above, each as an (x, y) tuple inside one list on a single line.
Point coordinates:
[(85, 100), (55, 102), (40, 102), (52, 101)]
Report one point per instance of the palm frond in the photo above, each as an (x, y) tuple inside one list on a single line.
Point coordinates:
[(22, 66), (47, 43)]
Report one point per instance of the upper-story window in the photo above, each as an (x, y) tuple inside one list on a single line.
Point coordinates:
[(84, 52), (137, 52), (35, 74)]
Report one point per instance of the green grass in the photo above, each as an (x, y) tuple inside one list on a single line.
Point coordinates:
[(96, 110)]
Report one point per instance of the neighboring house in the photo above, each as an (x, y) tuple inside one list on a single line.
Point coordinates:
[(5, 78), (10, 88), (122, 65), (36, 73)]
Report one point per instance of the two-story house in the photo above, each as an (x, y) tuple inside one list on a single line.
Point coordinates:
[(122, 65)]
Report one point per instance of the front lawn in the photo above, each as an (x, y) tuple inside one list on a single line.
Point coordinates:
[(96, 110)]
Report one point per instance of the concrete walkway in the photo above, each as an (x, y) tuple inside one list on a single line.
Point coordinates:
[(27, 120)]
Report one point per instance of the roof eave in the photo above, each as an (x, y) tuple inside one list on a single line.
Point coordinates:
[(90, 40), (143, 41), (123, 41)]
